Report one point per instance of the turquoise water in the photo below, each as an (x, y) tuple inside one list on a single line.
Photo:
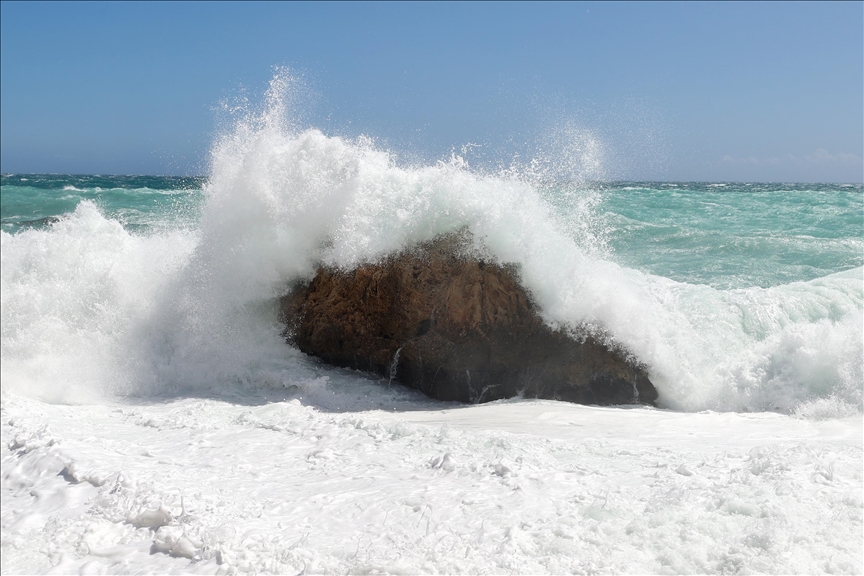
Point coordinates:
[(726, 235), (732, 235), (139, 202)]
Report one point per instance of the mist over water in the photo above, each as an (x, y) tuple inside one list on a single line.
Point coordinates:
[(727, 311)]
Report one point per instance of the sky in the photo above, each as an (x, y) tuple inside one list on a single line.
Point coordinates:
[(671, 91)]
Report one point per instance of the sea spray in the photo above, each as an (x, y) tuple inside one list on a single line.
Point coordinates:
[(72, 296), (89, 306)]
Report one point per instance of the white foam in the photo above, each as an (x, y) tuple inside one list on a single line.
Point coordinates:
[(71, 297), (206, 486)]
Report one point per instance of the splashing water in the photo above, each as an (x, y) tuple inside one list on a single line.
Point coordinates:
[(91, 308)]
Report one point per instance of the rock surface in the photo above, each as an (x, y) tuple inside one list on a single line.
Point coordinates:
[(455, 328)]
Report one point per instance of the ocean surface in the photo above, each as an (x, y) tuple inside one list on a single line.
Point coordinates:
[(738, 296), (155, 421)]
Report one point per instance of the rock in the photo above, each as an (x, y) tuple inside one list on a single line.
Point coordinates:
[(455, 327)]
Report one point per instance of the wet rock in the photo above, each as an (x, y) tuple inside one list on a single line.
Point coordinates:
[(456, 327)]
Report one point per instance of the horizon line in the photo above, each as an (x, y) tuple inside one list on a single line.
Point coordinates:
[(593, 181)]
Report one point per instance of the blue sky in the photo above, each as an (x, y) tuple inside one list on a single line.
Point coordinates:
[(674, 91)]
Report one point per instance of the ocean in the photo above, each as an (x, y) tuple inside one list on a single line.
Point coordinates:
[(154, 418), (744, 297)]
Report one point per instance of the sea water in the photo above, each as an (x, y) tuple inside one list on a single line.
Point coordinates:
[(155, 420), (736, 296)]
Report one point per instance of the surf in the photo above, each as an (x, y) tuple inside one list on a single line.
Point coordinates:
[(93, 308)]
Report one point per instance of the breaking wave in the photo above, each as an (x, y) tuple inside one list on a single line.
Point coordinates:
[(89, 308)]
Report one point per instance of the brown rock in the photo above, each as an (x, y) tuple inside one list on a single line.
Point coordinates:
[(456, 328)]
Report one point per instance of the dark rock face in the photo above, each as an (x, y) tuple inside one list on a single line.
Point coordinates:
[(455, 328)]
